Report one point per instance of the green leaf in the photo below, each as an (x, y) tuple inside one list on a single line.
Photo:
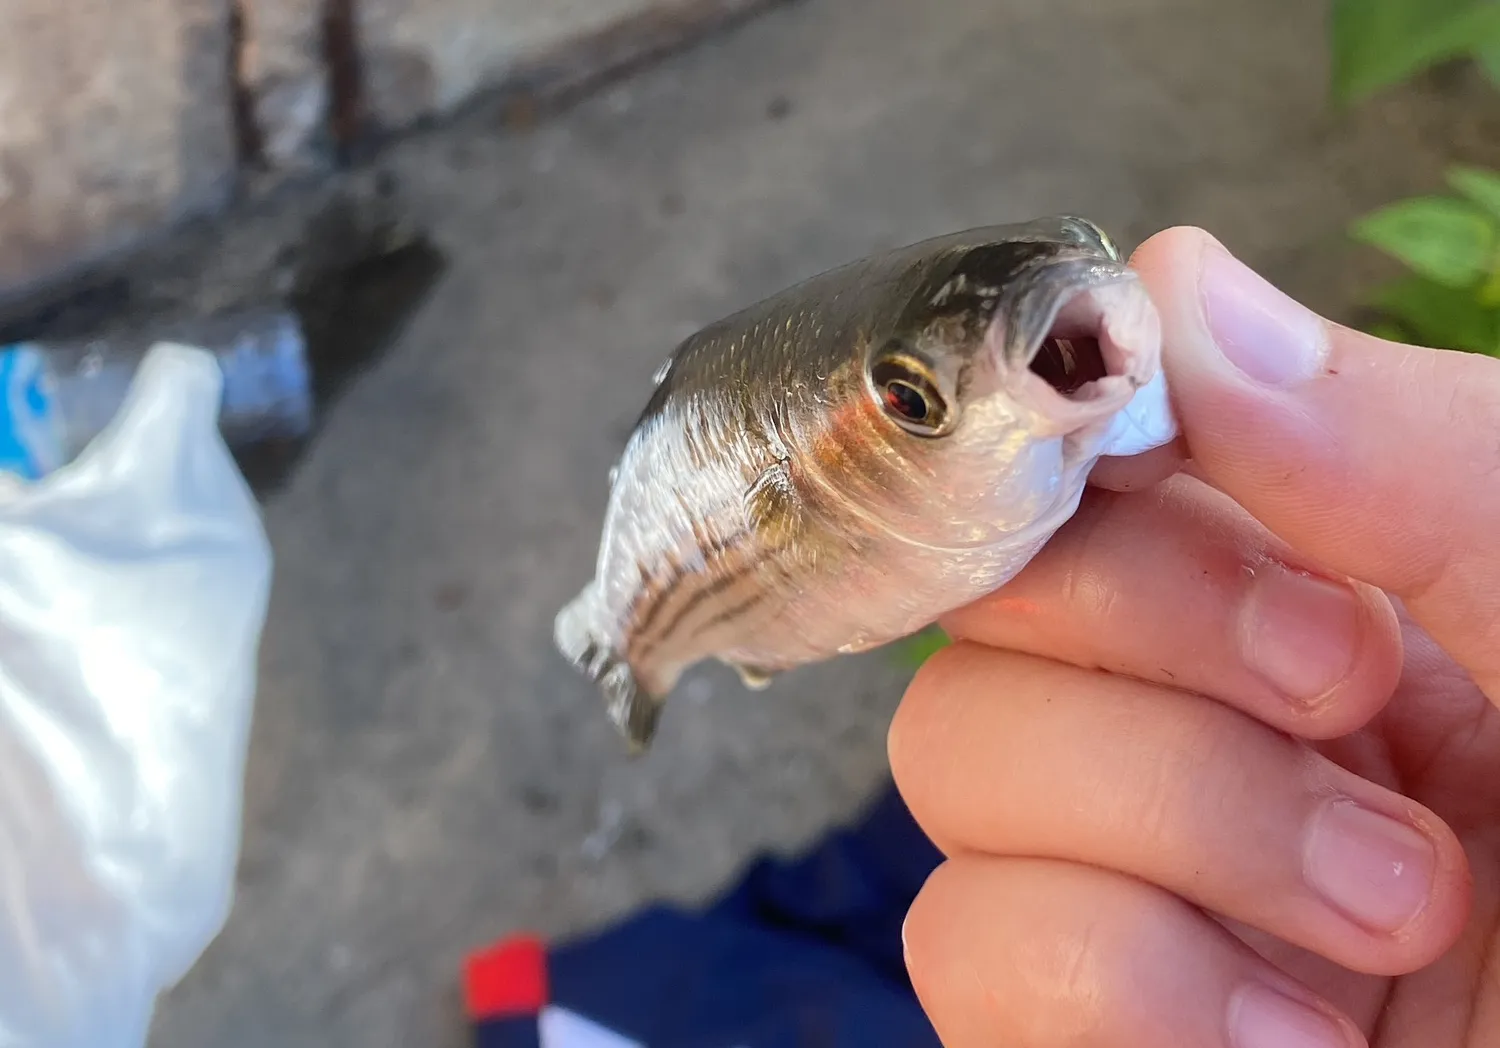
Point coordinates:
[(1377, 43), (919, 647), (1438, 316), (1390, 331), (1450, 241), (1488, 57), (1480, 186)]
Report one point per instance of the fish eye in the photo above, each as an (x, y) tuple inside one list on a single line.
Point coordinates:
[(909, 395)]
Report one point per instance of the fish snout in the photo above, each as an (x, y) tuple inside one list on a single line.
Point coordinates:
[(1103, 344)]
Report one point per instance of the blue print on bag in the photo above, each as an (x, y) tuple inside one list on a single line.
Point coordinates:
[(30, 440)]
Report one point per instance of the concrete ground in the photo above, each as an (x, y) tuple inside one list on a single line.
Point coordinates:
[(426, 775)]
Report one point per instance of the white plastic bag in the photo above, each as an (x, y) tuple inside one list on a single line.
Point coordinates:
[(133, 590)]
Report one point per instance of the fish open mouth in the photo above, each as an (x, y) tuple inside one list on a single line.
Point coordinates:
[(1069, 364), (1102, 344)]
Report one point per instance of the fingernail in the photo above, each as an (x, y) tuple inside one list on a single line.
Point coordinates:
[(1259, 1017), (1266, 335), (1377, 871), (1300, 632)]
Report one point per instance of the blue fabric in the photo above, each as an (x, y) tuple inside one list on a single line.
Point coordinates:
[(801, 953), (508, 1033)]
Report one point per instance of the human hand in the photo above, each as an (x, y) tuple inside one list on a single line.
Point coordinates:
[(1221, 768)]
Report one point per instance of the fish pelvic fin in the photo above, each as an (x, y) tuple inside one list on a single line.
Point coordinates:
[(754, 678), (635, 710)]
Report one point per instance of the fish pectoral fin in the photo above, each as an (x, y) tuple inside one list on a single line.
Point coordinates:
[(773, 507), (776, 511), (754, 678), (635, 710)]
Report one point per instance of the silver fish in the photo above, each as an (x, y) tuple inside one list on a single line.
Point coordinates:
[(836, 467)]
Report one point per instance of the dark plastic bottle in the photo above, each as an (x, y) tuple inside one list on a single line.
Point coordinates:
[(57, 396)]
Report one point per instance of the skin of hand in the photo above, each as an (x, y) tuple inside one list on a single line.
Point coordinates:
[(1221, 768)]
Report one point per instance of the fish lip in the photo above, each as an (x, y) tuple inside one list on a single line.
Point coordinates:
[(1083, 298), (1093, 235)]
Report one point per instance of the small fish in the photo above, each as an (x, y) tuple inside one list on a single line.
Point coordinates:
[(843, 463)]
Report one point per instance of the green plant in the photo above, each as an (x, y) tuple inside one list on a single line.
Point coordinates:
[(912, 651), (1379, 43), (1450, 244)]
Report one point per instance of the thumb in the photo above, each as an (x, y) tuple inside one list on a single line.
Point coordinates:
[(1378, 460)]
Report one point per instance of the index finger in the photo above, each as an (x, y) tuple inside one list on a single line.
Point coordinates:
[(1380, 461)]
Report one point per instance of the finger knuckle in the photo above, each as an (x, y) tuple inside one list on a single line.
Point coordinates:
[(1047, 982), (1474, 410), (923, 920), (1071, 1004), (924, 716), (1169, 782), (1088, 541)]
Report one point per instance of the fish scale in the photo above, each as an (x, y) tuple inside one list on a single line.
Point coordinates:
[(839, 465)]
